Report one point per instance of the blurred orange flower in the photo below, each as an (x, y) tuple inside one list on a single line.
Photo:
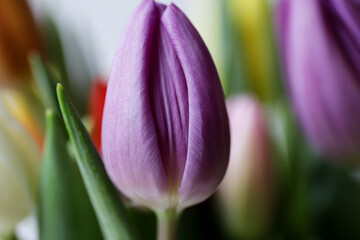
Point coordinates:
[(18, 36)]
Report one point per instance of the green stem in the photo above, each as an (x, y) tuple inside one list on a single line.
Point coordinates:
[(167, 224)]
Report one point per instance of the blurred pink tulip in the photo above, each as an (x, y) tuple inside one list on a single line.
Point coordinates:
[(246, 192)]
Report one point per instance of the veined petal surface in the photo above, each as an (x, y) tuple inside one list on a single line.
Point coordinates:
[(130, 146), (165, 128)]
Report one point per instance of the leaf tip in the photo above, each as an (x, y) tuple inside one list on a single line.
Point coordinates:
[(59, 90), (49, 120), (49, 113)]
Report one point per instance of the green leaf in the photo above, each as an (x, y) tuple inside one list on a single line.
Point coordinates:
[(65, 209), (54, 51), (111, 212), (45, 82)]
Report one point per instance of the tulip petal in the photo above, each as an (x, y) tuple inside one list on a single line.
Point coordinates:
[(247, 207), (323, 75), (208, 137), (129, 141), (169, 102), (342, 19)]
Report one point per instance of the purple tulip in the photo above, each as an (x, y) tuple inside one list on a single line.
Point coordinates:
[(165, 134), (321, 49)]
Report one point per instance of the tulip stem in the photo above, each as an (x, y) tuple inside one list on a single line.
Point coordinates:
[(167, 224)]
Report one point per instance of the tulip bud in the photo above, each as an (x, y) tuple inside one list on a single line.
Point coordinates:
[(165, 134), (18, 172), (321, 50), (246, 192), (96, 107), (18, 36)]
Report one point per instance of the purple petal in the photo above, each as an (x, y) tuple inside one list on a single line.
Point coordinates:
[(208, 135), (165, 129), (322, 52), (130, 146), (170, 108)]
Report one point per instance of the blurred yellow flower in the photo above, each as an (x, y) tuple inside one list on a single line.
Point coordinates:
[(19, 164), (252, 25), (25, 108)]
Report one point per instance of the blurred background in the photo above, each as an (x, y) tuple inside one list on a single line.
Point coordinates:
[(293, 185), (91, 27)]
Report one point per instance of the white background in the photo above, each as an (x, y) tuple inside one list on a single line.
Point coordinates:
[(95, 25)]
